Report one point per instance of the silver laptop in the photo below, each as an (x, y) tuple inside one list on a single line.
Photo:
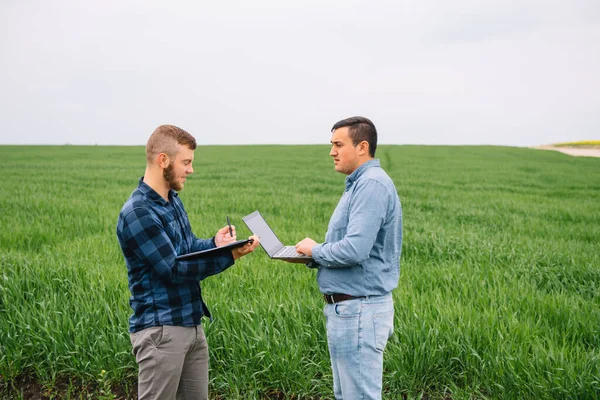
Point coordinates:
[(269, 241)]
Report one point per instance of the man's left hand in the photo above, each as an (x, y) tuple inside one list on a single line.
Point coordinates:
[(245, 249)]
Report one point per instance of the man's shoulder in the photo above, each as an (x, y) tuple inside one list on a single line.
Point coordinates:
[(135, 201), (378, 175), (376, 180)]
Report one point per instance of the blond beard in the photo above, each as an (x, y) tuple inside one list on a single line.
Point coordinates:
[(169, 175)]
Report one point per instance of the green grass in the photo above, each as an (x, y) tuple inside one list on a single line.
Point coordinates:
[(498, 295)]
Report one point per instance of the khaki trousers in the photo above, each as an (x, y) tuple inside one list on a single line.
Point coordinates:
[(173, 362)]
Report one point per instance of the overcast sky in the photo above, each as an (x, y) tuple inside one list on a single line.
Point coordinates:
[(518, 73)]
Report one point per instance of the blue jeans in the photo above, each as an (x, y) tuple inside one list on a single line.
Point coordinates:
[(357, 332)]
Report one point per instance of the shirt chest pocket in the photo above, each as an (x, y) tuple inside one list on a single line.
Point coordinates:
[(173, 231), (339, 219)]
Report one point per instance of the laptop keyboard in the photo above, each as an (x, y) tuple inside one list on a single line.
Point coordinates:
[(288, 251)]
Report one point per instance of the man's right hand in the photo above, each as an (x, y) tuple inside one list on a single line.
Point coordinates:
[(245, 249), (305, 246)]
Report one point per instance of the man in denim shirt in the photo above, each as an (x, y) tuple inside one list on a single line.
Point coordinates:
[(153, 228), (359, 263)]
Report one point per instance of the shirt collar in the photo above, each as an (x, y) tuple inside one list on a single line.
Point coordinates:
[(153, 195), (353, 177)]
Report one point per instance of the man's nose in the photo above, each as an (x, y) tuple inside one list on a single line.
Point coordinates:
[(332, 152)]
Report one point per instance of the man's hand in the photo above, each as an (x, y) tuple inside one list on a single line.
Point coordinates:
[(245, 249), (305, 246), (223, 237)]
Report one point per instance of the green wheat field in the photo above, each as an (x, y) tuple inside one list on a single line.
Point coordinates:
[(498, 295)]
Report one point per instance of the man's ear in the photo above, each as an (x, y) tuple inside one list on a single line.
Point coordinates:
[(162, 160), (363, 148)]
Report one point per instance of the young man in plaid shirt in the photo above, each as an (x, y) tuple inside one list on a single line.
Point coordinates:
[(153, 228)]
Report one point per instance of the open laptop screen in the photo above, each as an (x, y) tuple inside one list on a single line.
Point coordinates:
[(260, 228)]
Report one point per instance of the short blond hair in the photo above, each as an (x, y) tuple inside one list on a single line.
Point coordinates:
[(165, 139)]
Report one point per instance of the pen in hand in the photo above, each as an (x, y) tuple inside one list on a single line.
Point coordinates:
[(229, 225)]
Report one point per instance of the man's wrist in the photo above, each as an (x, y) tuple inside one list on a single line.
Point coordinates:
[(312, 264)]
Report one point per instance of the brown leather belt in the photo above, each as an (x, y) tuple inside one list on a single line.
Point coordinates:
[(337, 297)]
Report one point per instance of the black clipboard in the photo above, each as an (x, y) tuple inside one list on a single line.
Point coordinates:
[(199, 254)]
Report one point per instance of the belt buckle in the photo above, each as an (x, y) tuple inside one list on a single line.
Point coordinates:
[(331, 298)]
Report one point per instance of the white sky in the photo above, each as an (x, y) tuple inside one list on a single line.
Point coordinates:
[(511, 72)]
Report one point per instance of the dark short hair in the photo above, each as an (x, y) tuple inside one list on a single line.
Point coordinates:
[(359, 129), (165, 140)]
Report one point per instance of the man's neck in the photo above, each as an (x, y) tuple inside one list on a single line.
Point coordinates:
[(157, 183), (361, 162)]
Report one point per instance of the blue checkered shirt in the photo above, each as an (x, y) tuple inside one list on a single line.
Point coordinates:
[(152, 232)]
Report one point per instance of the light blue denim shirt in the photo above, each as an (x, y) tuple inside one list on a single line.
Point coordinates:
[(361, 253)]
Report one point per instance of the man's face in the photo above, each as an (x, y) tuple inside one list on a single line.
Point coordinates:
[(345, 154), (179, 168)]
